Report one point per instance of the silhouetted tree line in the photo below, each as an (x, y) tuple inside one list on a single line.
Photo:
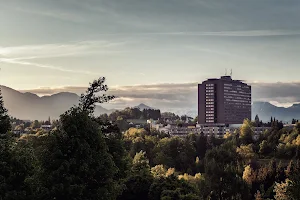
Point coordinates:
[(132, 113)]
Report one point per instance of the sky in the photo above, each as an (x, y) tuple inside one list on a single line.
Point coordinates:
[(153, 51)]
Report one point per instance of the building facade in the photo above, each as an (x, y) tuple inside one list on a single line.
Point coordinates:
[(223, 101)]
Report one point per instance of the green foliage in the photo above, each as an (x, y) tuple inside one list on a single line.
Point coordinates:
[(16, 162), (140, 179), (35, 124), (134, 113), (4, 118), (293, 182), (77, 164), (17, 166), (172, 188), (88, 157), (175, 152), (88, 101), (221, 169), (82, 159), (246, 152), (246, 132)]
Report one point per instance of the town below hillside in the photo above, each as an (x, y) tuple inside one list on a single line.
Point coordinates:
[(145, 154)]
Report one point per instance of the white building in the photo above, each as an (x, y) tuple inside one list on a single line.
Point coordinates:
[(218, 130)]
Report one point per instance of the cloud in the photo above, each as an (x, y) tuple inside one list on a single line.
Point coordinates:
[(43, 91), (65, 16), (51, 67), (283, 93), (246, 33), (59, 50), (20, 55), (242, 33)]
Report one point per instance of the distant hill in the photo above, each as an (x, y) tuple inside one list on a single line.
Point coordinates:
[(266, 110), (143, 107), (28, 106)]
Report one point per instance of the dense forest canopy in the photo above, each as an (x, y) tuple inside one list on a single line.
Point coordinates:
[(87, 157)]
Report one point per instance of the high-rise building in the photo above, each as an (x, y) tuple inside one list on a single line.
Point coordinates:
[(223, 101)]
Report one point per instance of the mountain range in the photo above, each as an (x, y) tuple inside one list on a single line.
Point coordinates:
[(29, 106), (266, 110)]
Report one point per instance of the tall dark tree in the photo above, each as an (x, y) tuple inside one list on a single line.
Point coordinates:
[(4, 118), (16, 162), (257, 121), (75, 162), (201, 145), (17, 167)]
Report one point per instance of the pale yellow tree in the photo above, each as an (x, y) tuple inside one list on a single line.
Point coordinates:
[(158, 171), (192, 179), (246, 132), (246, 152), (280, 190), (249, 175), (170, 172)]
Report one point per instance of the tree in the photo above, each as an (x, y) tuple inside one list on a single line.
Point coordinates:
[(257, 121), (175, 152), (201, 145), (158, 171), (140, 179), (17, 166), (293, 184), (75, 162), (246, 135), (280, 190), (246, 152), (264, 148), (258, 196), (89, 100), (172, 188), (35, 124), (249, 175), (195, 120), (4, 118), (116, 147), (221, 175), (16, 162)]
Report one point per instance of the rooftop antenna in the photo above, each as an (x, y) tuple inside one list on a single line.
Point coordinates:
[(226, 72), (231, 72)]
